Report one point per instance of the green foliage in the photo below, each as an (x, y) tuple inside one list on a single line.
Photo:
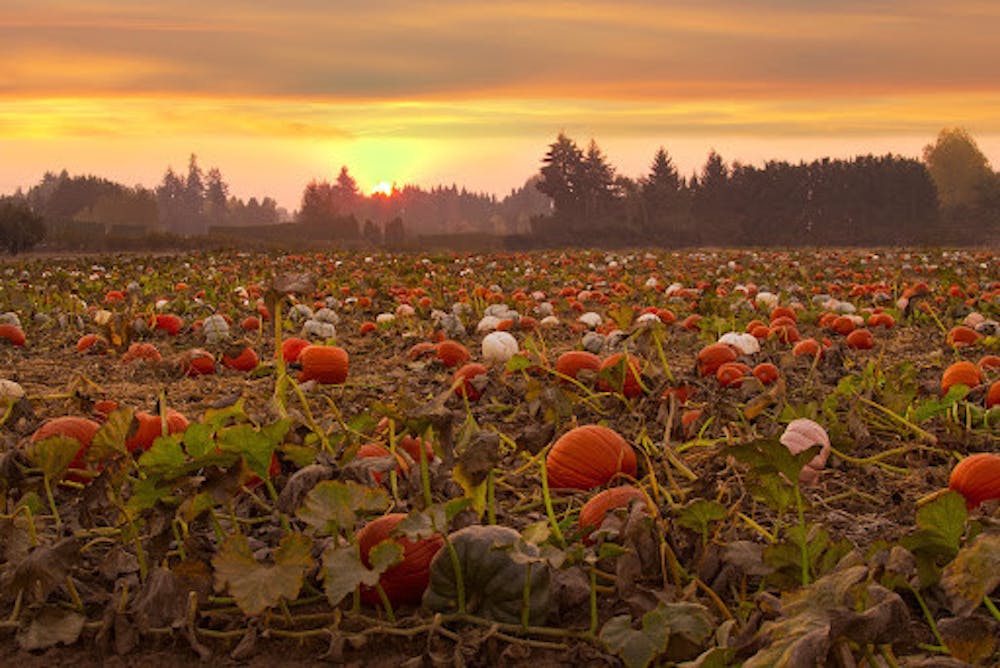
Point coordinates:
[(20, 228), (940, 527)]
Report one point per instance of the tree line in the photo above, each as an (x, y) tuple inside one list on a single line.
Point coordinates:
[(950, 197)]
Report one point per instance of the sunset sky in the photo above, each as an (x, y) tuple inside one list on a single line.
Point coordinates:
[(278, 92)]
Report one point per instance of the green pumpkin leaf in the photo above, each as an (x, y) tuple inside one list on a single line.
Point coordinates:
[(198, 440), (53, 455), (219, 417), (420, 524), (517, 363), (165, 457), (255, 446), (332, 505), (699, 514), (254, 586), (637, 647)]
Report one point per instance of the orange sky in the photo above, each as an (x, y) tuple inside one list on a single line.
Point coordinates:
[(278, 93)]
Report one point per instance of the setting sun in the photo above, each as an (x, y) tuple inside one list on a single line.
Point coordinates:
[(382, 188)]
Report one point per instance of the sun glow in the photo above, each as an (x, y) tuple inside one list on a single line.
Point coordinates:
[(382, 188)]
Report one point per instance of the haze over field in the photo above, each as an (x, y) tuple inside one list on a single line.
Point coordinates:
[(472, 93)]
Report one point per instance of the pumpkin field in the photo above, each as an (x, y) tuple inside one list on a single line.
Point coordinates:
[(700, 458)]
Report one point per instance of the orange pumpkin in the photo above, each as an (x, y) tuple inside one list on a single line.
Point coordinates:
[(372, 450), (79, 429), (785, 333), (783, 312), (168, 322), (452, 353), (961, 335), (881, 320), (12, 334), (620, 374), (198, 362), (842, 325), (765, 372), (250, 324), (405, 582), (714, 355), (462, 381), (690, 323), (141, 352), (367, 327), (243, 360), (92, 343), (989, 363), (291, 348), (411, 446), (588, 457), (326, 365), (422, 349), (807, 348), (861, 339), (993, 395), (593, 512), (147, 427), (977, 478), (960, 373), (732, 374), (572, 362)]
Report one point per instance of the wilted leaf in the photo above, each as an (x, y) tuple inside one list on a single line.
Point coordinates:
[(343, 571), (44, 568), (332, 505), (50, 627), (974, 573), (425, 523), (53, 455), (220, 417), (255, 586), (110, 438), (971, 639)]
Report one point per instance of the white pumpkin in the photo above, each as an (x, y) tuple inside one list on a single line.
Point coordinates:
[(746, 344), (590, 319), (498, 347), (215, 329)]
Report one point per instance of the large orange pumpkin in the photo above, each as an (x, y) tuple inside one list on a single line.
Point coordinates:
[(79, 429), (326, 365), (961, 335), (960, 373), (405, 582), (148, 427), (570, 363), (712, 356), (861, 339), (596, 509), (977, 478), (452, 353), (588, 457)]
